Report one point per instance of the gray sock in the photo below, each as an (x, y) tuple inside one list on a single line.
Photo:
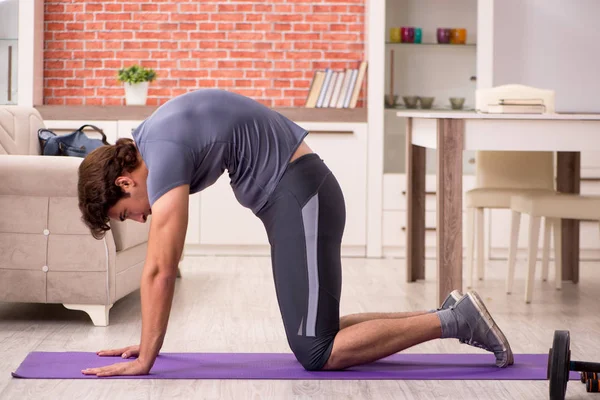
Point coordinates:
[(449, 322)]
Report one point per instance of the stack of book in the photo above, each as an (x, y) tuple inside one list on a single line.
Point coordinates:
[(336, 89), (517, 106)]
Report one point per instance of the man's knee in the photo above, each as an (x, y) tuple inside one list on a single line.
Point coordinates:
[(312, 352)]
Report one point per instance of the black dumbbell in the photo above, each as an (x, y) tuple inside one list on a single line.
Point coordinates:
[(591, 385), (585, 376), (560, 364)]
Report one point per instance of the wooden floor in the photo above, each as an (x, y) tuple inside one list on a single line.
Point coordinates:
[(228, 305)]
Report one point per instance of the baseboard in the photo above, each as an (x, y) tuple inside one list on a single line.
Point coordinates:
[(584, 254), (495, 253)]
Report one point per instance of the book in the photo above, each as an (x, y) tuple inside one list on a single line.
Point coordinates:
[(357, 87), (522, 102), (348, 95), (321, 99), (515, 109), (315, 89), (344, 90), (330, 88), (338, 88)]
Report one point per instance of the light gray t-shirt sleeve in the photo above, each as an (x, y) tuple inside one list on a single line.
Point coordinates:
[(169, 165)]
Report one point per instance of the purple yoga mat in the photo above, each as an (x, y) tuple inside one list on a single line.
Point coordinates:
[(68, 365)]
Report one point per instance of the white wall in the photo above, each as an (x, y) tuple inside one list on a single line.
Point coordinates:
[(439, 71), (9, 32), (550, 44), (9, 19)]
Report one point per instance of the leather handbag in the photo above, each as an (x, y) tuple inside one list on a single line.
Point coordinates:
[(74, 144)]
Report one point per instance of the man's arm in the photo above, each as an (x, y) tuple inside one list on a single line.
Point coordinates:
[(168, 227)]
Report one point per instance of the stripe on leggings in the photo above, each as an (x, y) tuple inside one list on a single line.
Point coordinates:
[(310, 217)]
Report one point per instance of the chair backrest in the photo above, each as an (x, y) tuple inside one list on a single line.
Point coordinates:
[(18, 130), (515, 169)]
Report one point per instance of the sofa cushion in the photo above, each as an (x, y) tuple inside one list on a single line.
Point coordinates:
[(23, 214), (22, 286), (64, 217), (20, 251)]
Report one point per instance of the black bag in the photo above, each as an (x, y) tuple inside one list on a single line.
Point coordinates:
[(74, 144)]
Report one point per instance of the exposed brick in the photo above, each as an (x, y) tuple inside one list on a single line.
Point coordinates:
[(267, 50), (149, 7), (93, 7), (58, 45), (116, 7), (254, 17), (74, 45), (74, 101), (74, 82), (54, 8)]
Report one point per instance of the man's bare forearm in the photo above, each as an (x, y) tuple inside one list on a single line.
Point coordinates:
[(157, 295)]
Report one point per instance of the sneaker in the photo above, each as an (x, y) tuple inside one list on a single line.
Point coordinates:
[(451, 300), (477, 327)]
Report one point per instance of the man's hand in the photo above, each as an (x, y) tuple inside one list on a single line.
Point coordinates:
[(125, 368), (125, 352)]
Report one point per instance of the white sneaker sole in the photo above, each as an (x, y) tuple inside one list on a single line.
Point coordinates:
[(492, 325)]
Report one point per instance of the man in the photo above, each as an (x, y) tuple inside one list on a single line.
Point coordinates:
[(183, 148)]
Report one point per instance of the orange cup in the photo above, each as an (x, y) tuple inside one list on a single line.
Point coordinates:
[(458, 36)]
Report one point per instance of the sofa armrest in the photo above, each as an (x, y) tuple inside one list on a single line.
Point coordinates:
[(47, 176), (128, 234), (56, 178)]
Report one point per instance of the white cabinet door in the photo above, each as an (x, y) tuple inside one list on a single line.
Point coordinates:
[(223, 221), (590, 164), (126, 128), (345, 154)]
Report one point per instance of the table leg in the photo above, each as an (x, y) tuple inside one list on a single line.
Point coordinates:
[(568, 181), (415, 197), (450, 145)]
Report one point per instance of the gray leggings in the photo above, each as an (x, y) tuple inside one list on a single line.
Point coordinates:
[(304, 219)]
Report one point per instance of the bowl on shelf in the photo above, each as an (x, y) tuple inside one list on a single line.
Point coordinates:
[(426, 102), (391, 101), (457, 103), (410, 101)]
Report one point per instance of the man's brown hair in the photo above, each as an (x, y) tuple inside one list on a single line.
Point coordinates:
[(97, 188)]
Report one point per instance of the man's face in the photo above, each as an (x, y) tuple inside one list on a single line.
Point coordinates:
[(136, 206)]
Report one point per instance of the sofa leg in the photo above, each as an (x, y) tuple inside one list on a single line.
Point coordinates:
[(98, 313)]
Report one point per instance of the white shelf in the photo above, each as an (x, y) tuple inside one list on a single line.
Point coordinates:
[(447, 45)]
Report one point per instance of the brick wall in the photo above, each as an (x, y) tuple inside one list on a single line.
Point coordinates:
[(267, 50)]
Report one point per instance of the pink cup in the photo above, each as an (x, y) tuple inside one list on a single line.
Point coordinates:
[(408, 34)]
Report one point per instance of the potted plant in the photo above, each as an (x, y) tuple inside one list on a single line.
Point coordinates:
[(136, 79)]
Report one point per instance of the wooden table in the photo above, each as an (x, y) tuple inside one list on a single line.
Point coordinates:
[(452, 132)]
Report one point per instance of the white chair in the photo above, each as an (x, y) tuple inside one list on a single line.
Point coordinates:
[(500, 175), (503, 174), (553, 208)]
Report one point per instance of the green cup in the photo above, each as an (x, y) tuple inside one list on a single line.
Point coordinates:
[(418, 35)]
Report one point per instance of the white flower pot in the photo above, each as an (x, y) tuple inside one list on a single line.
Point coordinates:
[(136, 93)]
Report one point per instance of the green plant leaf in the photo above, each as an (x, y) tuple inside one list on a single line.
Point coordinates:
[(136, 74)]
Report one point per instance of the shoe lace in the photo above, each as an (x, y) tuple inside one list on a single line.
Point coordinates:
[(472, 342)]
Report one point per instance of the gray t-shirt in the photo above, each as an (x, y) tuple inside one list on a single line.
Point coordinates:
[(193, 138)]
